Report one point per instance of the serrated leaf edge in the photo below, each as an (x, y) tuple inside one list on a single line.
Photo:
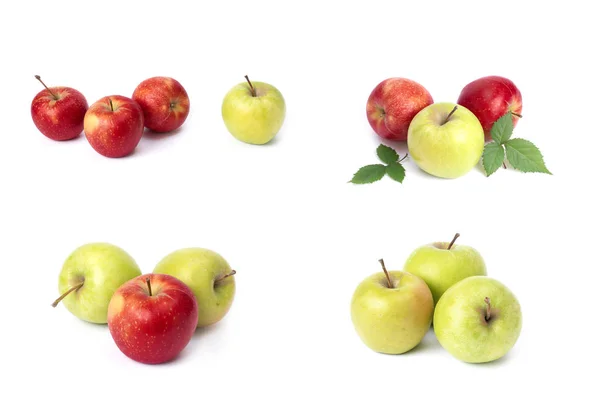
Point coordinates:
[(365, 166), (386, 147), (508, 115), (389, 176), (483, 156), (547, 171)]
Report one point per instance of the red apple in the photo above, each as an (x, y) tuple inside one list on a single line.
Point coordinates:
[(393, 104), (58, 112), (152, 317), (489, 98), (165, 103), (114, 126)]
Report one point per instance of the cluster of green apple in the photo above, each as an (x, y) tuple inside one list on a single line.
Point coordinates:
[(151, 317), (475, 318)]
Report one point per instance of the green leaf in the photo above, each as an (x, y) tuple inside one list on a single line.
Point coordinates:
[(525, 157), (387, 154), (369, 174), (502, 129), (396, 171), (493, 156)]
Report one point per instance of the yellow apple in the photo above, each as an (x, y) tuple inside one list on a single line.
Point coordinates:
[(445, 140), (209, 276), (392, 312), (442, 264), (478, 320), (253, 112)]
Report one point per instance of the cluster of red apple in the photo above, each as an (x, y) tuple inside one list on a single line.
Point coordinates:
[(151, 317), (113, 125), (475, 318), (444, 139), (394, 103)]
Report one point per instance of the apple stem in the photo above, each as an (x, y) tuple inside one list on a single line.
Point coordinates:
[(403, 158), (47, 88), (225, 276), (252, 90), (453, 240), (149, 287), (111, 105), (449, 115), (387, 275), (488, 309), (504, 164), (516, 115), (62, 296)]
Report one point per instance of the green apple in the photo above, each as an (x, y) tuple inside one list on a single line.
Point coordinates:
[(442, 264), (445, 140), (89, 278), (392, 312), (209, 276), (478, 320), (253, 112)]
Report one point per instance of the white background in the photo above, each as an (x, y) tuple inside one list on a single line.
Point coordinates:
[(300, 237)]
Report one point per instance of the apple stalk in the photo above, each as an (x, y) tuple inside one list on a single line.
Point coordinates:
[(252, 90), (65, 294), (219, 280), (453, 240), (149, 287), (387, 275), (47, 88), (488, 309), (450, 114)]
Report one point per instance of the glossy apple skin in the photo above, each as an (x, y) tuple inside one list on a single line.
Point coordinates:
[(446, 150), (392, 320), (152, 329), (103, 268), (459, 320), (164, 101), (441, 268), (199, 269), (253, 119), (392, 105), (489, 98), (114, 132), (59, 119)]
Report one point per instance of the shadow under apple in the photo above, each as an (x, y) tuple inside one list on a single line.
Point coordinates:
[(205, 331), (152, 135), (272, 142), (492, 364), (428, 344), (198, 339)]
